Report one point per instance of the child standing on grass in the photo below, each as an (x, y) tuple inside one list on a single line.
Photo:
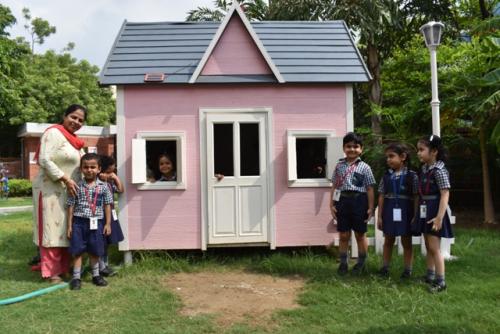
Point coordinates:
[(4, 185), (352, 201), (112, 181), (397, 201), (434, 193), (89, 219)]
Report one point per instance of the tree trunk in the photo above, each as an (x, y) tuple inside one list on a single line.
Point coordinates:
[(489, 210), (484, 11), (375, 95)]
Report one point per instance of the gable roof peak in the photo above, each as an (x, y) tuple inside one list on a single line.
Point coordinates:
[(236, 9)]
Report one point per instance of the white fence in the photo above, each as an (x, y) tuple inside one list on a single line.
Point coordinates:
[(378, 241)]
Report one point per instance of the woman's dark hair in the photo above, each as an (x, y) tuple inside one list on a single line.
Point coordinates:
[(75, 107), (352, 137), (106, 161), (400, 149), (434, 142)]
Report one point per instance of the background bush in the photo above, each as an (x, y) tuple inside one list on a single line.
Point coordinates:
[(19, 188)]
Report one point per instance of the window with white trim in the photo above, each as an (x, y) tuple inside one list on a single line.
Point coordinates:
[(312, 156), (159, 160)]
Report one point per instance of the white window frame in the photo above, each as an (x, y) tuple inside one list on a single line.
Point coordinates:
[(333, 153), (139, 160)]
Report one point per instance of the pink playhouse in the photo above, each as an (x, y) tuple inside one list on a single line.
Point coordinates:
[(263, 103)]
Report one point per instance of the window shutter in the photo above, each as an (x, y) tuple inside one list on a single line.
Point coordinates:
[(335, 152), (292, 158), (138, 161)]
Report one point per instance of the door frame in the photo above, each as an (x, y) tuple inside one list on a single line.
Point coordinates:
[(267, 111)]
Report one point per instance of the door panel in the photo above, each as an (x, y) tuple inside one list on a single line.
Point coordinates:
[(237, 205)]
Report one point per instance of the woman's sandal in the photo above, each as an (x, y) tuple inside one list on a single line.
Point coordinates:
[(55, 280)]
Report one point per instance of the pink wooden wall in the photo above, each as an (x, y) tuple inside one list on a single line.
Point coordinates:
[(236, 53), (171, 219)]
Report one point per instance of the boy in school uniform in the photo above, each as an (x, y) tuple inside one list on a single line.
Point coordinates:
[(352, 200), (89, 220)]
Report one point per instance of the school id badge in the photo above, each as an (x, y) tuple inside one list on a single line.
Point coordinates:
[(423, 211), (336, 195), (93, 223), (396, 215), (114, 214)]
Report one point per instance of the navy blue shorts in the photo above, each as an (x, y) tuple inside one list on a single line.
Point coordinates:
[(85, 240), (352, 212)]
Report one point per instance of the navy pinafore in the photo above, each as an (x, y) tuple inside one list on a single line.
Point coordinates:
[(403, 200), (116, 231), (430, 195)]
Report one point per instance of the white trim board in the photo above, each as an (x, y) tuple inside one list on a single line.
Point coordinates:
[(270, 169), (235, 8), (121, 160), (349, 108)]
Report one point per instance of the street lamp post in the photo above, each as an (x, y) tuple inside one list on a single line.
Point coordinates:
[(432, 34)]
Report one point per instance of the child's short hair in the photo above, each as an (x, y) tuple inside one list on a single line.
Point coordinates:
[(106, 161), (434, 142), (352, 137), (89, 157)]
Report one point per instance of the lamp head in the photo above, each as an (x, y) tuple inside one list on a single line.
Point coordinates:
[(432, 32)]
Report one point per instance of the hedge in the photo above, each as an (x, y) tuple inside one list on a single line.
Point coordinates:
[(19, 188)]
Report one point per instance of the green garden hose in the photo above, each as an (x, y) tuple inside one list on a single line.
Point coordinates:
[(36, 293)]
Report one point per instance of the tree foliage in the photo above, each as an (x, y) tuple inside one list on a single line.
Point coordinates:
[(38, 87), (38, 28)]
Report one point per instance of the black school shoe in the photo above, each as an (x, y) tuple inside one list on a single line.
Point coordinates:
[(342, 270), (405, 275), (75, 284), (437, 287), (425, 279), (359, 269), (99, 281), (383, 272), (107, 272)]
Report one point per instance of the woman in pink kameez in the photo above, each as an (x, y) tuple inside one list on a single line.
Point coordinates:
[(59, 159)]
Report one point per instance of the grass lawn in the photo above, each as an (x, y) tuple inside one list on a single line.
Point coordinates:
[(137, 302), (16, 201)]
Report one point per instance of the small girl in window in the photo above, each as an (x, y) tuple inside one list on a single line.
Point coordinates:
[(167, 168)]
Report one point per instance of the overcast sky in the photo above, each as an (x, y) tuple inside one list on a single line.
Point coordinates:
[(93, 24)]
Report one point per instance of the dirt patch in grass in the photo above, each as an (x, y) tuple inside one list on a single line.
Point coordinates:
[(236, 296)]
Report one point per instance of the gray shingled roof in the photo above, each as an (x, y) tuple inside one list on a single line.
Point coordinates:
[(302, 52)]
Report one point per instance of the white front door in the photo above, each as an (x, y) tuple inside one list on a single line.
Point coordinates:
[(238, 203)]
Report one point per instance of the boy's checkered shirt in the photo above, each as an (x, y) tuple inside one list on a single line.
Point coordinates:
[(81, 204), (349, 184)]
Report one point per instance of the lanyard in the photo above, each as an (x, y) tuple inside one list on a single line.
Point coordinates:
[(93, 205), (427, 183), (348, 172), (396, 189)]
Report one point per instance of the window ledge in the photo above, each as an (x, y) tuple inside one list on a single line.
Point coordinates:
[(309, 183), (162, 185)]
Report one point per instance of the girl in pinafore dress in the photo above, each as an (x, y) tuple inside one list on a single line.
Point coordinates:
[(434, 192), (108, 167), (396, 206)]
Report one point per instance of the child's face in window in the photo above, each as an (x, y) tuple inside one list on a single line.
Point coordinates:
[(90, 169), (165, 166), (352, 150)]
